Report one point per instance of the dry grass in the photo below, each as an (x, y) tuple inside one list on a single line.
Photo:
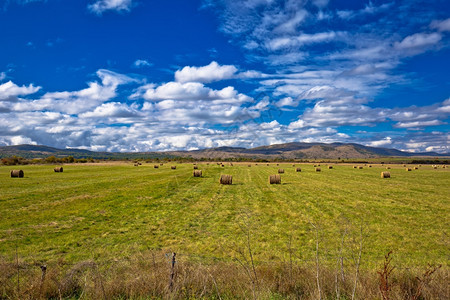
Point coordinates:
[(148, 276)]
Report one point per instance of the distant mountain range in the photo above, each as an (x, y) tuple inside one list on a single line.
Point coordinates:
[(281, 151)]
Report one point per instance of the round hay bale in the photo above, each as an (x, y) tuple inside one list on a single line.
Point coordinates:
[(408, 169), (58, 169), (155, 166), (314, 166), (17, 173), (275, 179), (173, 167), (318, 169), (355, 167), (416, 168), (197, 173), (293, 165), (267, 164), (161, 164), (226, 179), (222, 166), (370, 166), (298, 170), (385, 175), (249, 166), (360, 167), (387, 168), (404, 165), (280, 171), (136, 164), (330, 167), (195, 167)]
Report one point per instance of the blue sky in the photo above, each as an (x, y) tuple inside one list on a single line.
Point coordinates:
[(146, 75)]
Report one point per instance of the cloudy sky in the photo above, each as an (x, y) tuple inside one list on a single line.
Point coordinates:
[(149, 75)]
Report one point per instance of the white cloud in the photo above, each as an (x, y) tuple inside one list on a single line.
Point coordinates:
[(10, 91), (443, 25), (76, 102), (418, 42), (418, 124), (141, 63), (100, 6), (2, 75), (299, 40), (206, 74), (381, 143), (190, 91)]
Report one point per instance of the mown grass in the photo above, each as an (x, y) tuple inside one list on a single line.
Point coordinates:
[(113, 211)]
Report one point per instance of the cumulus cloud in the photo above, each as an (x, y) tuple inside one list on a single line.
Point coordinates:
[(100, 6), (206, 74), (9, 91), (190, 91), (76, 102)]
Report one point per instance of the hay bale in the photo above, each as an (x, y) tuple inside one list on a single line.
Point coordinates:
[(355, 167), (195, 167), (404, 165), (330, 167), (275, 179), (136, 164), (416, 168), (161, 164), (408, 169), (249, 166), (385, 175), (370, 166), (223, 166), (197, 173), (267, 164), (280, 171), (314, 166), (173, 167), (387, 168), (155, 166), (293, 165), (298, 169), (226, 179), (318, 170), (17, 173), (58, 169), (360, 167)]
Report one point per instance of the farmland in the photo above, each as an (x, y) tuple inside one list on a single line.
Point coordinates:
[(113, 211)]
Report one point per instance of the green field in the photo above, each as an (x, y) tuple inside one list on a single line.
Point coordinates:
[(113, 211)]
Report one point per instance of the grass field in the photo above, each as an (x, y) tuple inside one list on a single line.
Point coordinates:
[(113, 211)]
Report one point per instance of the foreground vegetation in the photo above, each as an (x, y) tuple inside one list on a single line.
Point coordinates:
[(112, 228)]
